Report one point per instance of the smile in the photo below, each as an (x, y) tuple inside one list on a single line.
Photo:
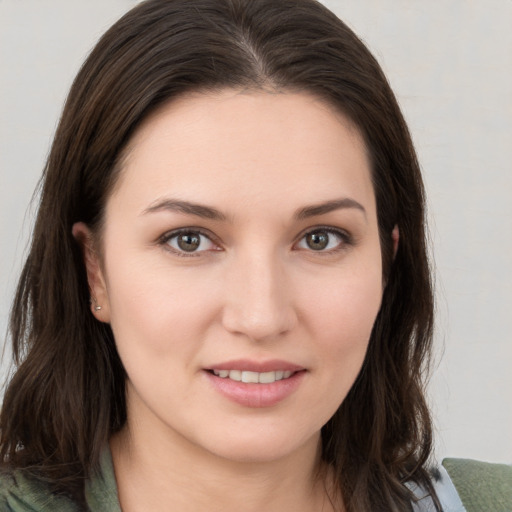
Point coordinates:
[(250, 388), (253, 377)]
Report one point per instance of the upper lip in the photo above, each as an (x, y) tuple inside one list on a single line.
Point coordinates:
[(257, 366)]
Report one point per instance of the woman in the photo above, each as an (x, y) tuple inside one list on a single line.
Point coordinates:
[(227, 302)]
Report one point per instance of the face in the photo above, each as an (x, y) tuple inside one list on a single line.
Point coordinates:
[(241, 270)]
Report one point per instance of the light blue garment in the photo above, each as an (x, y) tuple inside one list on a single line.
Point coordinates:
[(446, 492)]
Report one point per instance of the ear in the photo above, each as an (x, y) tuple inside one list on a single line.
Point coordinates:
[(395, 237), (100, 307)]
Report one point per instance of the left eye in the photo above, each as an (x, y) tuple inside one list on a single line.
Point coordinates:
[(189, 242), (322, 240)]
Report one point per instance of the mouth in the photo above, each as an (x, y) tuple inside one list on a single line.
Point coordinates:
[(255, 384), (250, 377)]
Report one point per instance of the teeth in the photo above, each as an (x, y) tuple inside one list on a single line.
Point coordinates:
[(250, 377), (267, 377), (253, 377), (235, 375)]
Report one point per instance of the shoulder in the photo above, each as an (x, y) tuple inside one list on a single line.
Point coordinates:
[(445, 491), (21, 493), (481, 485)]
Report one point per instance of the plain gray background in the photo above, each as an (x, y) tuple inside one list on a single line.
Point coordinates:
[(450, 64)]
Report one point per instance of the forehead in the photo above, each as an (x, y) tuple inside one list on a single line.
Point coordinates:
[(237, 147)]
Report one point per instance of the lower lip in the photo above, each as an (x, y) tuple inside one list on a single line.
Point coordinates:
[(256, 395)]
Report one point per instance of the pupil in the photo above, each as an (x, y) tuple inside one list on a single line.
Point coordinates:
[(188, 242), (318, 240)]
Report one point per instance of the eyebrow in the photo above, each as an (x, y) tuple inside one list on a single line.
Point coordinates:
[(208, 212), (327, 207), (187, 207)]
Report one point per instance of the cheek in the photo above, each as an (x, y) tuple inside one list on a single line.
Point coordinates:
[(341, 322), (345, 304), (154, 309)]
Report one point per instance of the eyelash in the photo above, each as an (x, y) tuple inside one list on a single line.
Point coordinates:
[(346, 240), (167, 237)]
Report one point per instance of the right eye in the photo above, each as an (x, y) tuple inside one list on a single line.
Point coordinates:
[(189, 242)]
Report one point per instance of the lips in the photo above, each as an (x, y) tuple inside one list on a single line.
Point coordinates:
[(257, 366), (255, 384)]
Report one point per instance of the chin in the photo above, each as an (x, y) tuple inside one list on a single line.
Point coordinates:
[(261, 446)]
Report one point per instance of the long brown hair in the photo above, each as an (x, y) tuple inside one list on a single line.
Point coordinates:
[(67, 396)]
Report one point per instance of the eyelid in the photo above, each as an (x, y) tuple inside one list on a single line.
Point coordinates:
[(347, 239), (164, 239)]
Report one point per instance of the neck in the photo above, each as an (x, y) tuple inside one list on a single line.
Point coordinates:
[(153, 471)]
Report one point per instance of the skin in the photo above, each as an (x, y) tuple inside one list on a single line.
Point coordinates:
[(253, 290)]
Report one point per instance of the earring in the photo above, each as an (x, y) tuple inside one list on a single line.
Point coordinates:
[(96, 307)]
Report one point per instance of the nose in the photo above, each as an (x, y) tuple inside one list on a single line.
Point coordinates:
[(259, 299)]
